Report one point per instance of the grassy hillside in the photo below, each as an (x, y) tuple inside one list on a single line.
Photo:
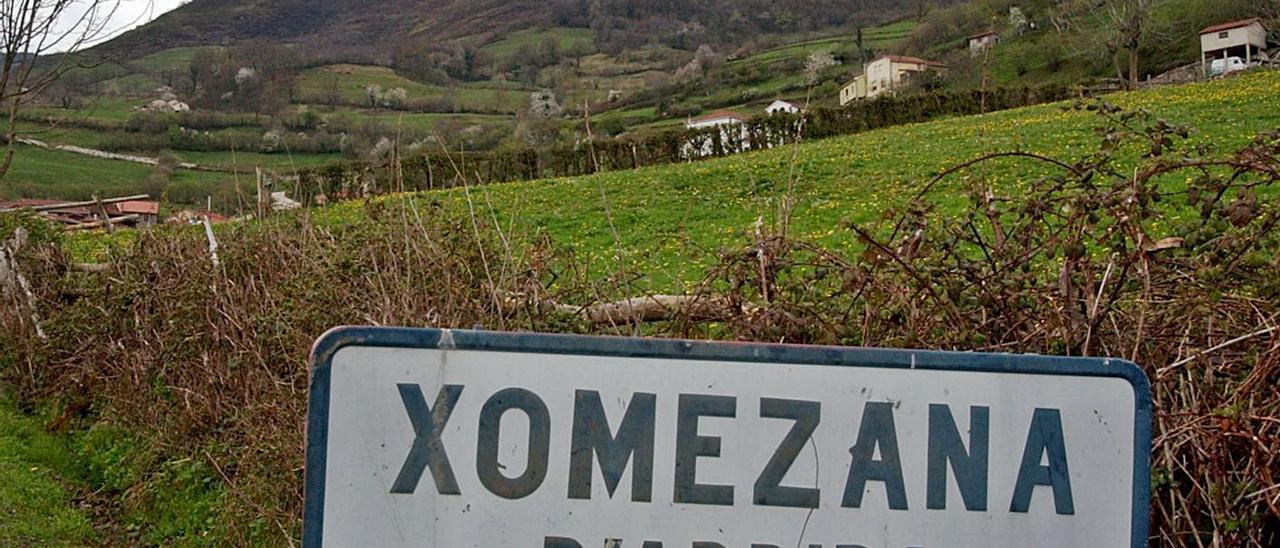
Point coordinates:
[(671, 219), (290, 278), (1069, 42), (347, 84), (564, 37)]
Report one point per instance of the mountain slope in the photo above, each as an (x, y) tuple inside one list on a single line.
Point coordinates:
[(326, 24), (378, 27)]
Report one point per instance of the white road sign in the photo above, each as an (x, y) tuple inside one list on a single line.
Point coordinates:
[(460, 438)]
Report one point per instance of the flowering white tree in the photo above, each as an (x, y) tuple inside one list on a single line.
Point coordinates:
[(543, 104), (816, 63), (395, 97), (373, 94)]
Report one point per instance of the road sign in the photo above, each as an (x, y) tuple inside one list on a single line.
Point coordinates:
[(447, 438)]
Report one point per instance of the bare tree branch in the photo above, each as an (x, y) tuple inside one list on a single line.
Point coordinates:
[(40, 40)]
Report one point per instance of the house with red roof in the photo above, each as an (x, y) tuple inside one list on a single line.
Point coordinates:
[(731, 140), (885, 74), (1245, 40), (716, 119)]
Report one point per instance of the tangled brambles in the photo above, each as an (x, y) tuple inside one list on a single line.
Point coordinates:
[(1154, 248)]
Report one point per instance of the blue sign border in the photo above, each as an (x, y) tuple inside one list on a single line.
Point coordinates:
[(453, 339)]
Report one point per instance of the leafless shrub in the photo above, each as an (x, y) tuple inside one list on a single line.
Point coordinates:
[(1169, 261), (1154, 248)]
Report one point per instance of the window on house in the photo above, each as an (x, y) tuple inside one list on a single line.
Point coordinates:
[(1224, 34)]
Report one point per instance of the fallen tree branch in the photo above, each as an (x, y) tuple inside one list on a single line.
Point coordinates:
[(649, 308), (1231, 342), (100, 224), (90, 268)]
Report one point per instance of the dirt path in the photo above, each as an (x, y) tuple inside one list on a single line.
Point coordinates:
[(105, 155)]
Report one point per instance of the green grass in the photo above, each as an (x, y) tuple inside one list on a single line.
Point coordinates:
[(420, 121), (875, 37), (35, 506), (107, 110), (173, 59), (565, 37), (249, 160), (40, 173), (671, 219), (153, 500), (315, 86)]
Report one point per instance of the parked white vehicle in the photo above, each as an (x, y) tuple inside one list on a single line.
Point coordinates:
[(1226, 65)]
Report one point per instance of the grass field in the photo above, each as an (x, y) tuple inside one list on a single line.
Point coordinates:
[(875, 37), (172, 59), (671, 219), (566, 38), (317, 85), (420, 121), (40, 173), (35, 508), (107, 110), (249, 160)]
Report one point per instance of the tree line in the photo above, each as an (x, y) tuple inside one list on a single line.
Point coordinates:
[(426, 170)]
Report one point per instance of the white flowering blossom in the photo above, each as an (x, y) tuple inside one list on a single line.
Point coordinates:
[(244, 75)]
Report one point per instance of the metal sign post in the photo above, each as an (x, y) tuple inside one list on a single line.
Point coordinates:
[(447, 438)]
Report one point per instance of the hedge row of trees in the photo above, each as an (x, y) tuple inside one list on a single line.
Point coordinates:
[(431, 170)]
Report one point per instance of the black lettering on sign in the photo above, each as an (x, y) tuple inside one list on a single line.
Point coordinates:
[(539, 443), (560, 542), (769, 490), (970, 467), (1045, 436), (877, 430), (427, 450), (592, 436), (690, 446)]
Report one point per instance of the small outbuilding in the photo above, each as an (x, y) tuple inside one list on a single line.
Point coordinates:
[(1246, 39), (981, 42), (781, 107), (148, 212)]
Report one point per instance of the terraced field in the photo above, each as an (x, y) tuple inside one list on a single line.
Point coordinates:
[(670, 220)]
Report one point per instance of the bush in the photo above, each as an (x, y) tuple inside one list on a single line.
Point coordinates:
[(1066, 266)]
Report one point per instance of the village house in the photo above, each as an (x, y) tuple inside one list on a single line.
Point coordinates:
[(981, 42), (716, 119), (886, 74), (723, 119), (857, 89), (1245, 40), (781, 107)]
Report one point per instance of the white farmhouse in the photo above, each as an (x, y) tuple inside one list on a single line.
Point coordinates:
[(781, 107), (1246, 39), (886, 74), (726, 120), (716, 119)]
